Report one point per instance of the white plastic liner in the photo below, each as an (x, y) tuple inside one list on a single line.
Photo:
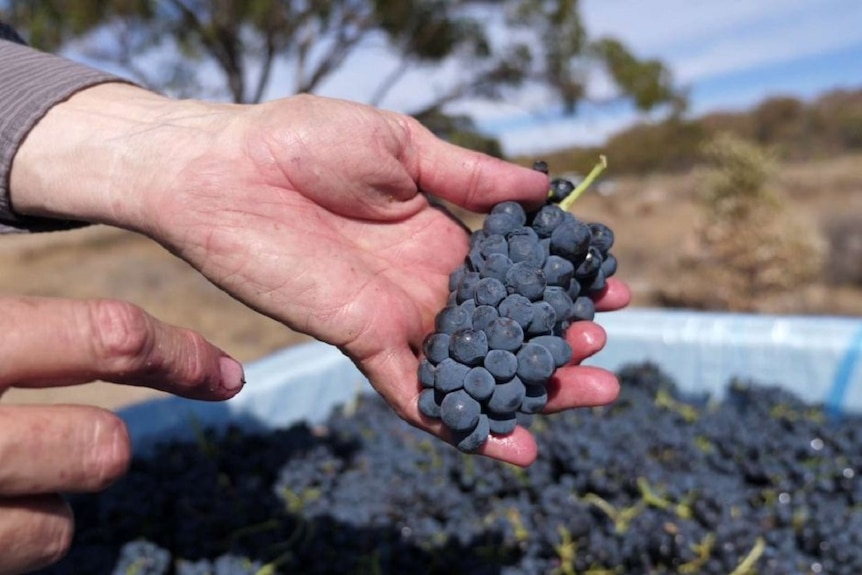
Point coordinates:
[(819, 358)]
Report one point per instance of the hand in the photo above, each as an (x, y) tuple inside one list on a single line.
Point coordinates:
[(49, 449), (310, 211)]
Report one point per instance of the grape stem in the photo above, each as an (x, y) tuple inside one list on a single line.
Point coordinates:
[(566, 204)]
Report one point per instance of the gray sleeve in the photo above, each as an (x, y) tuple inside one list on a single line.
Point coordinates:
[(31, 82)]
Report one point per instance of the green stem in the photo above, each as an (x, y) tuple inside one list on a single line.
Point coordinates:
[(566, 204), (747, 564)]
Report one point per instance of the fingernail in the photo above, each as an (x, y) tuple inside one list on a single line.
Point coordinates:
[(232, 375)]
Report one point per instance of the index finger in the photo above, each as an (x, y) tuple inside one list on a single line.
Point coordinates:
[(470, 179)]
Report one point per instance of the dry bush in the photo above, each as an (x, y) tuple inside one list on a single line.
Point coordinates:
[(750, 246), (844, 234)]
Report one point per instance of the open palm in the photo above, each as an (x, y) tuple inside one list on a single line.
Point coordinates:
[(330, 233)]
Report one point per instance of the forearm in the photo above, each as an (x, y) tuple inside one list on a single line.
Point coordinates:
[(31, 84)]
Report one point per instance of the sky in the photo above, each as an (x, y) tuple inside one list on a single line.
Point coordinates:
[(730, 54)]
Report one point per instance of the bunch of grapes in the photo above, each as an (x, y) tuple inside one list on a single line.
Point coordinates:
[(527, 277)]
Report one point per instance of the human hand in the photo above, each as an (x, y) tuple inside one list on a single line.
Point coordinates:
[(46, 450), (310, 211)]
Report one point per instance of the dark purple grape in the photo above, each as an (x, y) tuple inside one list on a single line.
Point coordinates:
[(449, 375), (495, 244), (526, 279), (467, 287), (513, 209), (500, 224), (505, 333), (475, 261), (459, 411), (483, 315), (496, 266), (501, 364), (428, 405), (479, 383), (452, 318), (507, 396), (544, 319), (609, 265), (541, 166), (560, 349), (468, 346), (574, 290), (472, 441), (559, 299), (518, 308), (490, 291), (571, 240), (523, 248), (583, 309), (560, 189), (436, 347), (535, 399), (558, 271), (547, 219), (456, 277), (590, 266), (502, 423), (535, 363), (602, 237), (426, 373), (598, 284)]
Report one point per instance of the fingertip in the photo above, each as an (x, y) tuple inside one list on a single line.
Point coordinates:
[(615, 296), (518, 448), (586, 339), (581, 386)]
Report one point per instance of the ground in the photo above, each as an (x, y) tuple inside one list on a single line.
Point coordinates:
[(652, 216)]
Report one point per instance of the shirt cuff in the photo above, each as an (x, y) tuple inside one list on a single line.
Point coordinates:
[(31, 83)]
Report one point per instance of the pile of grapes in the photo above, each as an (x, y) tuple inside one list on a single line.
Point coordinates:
[(657, 482), (527, 277)]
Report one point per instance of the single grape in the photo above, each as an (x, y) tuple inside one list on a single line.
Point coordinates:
[(490, 291), (526, 279), (494, 244), (518, 308), (502, 423), (535, 363), (558, 271), (547, 219), (571, 240), (452, 318), (436, 347), (428, 405), (609, 265), (560, 189), (505, 333), (473, 440), (482, 317), (541, 166), (426, 373), (468, 346), (602, 237), (544, 319), (496, 266), (507, 396), (535, 399), (513, 209), (590, 266), (523, 248), (500, 223), (560, 349), (449, 375), (479, 383), (501, 364), (459, 411), (584, 309), (559, 299), (467, 287)]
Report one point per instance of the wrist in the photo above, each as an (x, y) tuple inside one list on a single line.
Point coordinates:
[(97, 156)]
